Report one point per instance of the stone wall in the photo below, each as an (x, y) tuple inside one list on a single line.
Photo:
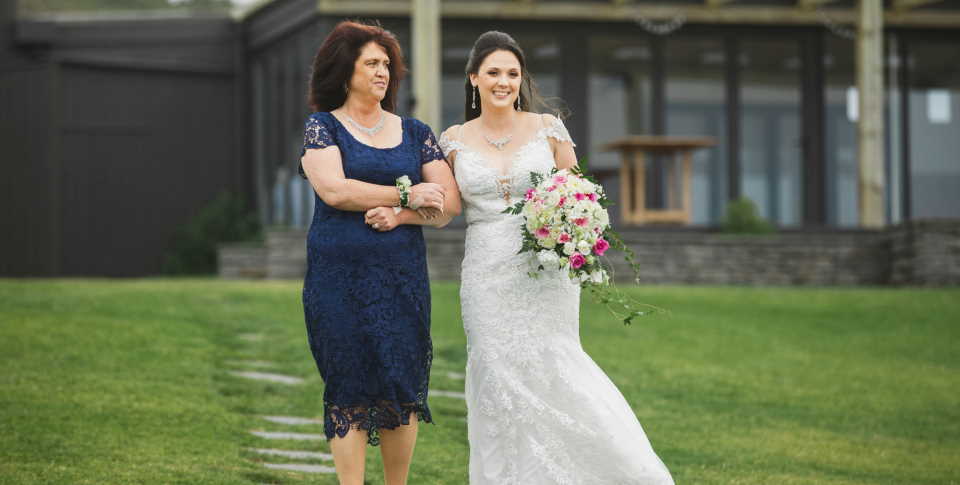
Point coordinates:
[(926, 253), (915, 253)]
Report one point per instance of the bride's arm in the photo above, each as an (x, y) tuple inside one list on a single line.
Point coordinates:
[(437, 172), (563, 154)]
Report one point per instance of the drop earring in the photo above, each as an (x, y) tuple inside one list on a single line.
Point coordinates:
[(474, 103), (518, 103)]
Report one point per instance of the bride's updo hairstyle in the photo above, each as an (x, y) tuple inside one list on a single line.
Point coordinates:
[(487, 44)]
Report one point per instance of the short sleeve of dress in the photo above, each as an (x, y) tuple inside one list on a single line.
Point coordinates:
[(429, 148), (316, 135), (555, 129)]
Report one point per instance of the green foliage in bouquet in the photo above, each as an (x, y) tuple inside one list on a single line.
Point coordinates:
[(194, 246), (742, 217)]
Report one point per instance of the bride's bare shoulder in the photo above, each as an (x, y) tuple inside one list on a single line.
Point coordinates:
[(451, 133)]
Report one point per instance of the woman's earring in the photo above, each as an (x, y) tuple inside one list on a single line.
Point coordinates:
[(474, 103), (346, 89), (518, 103)]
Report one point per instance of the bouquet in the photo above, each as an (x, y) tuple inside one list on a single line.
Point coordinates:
[(567, 226)]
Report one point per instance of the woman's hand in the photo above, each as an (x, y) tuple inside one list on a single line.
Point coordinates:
[(426, 195), (381, 219)]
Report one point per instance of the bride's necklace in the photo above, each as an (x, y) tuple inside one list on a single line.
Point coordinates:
[(499, 142), (372, 131)]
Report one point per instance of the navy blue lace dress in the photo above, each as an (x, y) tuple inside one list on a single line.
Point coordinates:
[(366, 296)]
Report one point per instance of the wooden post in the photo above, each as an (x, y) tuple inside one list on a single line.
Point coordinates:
[(425, 30), (870, 127)]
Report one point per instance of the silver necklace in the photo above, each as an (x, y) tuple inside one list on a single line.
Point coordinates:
[(372, 131), (498, 143)]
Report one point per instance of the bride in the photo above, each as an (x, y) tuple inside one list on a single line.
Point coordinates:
[(540, 411)]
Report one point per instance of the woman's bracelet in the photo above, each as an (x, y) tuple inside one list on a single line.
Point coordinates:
[(403, 186)]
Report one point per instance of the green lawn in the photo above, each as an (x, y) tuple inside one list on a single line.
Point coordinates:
[(119, 382)]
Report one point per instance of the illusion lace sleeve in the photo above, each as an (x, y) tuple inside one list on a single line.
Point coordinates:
[(316, 135), (555, 129), (430, 149)]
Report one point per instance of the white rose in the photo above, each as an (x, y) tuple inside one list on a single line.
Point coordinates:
[(569, 248), (584, 247), (548, 258), (552, 199), (597, 276), (548, 243)]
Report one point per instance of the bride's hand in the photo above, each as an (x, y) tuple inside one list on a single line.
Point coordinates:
[(429, 213), (381, 219), (426, 194)]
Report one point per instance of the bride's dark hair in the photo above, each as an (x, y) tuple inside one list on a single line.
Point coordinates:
[(488, 43)]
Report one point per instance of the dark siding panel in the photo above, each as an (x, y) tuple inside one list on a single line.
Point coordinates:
[(142, 153), (27, 240)]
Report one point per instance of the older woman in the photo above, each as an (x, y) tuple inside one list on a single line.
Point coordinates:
[(378, 177)]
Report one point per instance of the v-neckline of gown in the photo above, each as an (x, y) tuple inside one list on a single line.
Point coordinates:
[(513, 157)]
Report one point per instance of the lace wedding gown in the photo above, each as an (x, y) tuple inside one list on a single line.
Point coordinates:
[(539, 410)]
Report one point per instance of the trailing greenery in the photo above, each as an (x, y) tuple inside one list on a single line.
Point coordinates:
[(742, 217), (128, 382), (194, 246)]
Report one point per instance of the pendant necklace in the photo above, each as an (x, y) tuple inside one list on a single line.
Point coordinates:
[(371, 132)]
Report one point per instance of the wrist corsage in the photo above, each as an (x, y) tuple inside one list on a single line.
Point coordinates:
[(403, 186)]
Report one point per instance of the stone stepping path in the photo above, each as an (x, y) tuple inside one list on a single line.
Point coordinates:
[(453, 394), (292, 420), (259, 364), (267, 376), (250, 337), (456, 375), (296, 467), (295, 454), (283, 435)]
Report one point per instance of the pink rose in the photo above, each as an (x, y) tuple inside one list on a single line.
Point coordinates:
[(577, 260), (530, 194), (593, 197), (543, 232), (564, 237), (580, 196), (580, 221), (601, 246), (551, 188), (559, 179), (562, 201)]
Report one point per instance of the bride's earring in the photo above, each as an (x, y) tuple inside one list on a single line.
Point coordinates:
[(518, 103), (474, 103)]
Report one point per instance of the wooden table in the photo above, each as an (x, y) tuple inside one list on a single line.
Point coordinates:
[(679, 151)]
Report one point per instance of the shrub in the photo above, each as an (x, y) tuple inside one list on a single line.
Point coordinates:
[(193, 249), (742, 218)]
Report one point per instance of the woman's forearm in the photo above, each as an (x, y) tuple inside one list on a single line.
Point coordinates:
[(357, 196), (412, 217)]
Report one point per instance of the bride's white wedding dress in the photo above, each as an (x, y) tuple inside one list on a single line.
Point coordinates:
[(539, 410)]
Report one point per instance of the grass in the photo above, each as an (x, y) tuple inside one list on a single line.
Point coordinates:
[(127, 382)]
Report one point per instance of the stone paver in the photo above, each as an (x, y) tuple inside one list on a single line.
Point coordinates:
[(453, 394), (296, 467), (282, 435), (292, 420), (266, 376), (260, 364), (250, 337), (456, 375), (295, 454)]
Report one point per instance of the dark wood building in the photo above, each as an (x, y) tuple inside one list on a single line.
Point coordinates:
[(114, 131)]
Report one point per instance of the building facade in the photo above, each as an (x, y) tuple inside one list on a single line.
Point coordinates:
[(775, 82)]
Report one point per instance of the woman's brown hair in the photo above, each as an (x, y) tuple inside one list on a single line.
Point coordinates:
[(333, 65)]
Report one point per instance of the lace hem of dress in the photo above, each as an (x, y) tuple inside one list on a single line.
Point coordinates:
[(382, 415)]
